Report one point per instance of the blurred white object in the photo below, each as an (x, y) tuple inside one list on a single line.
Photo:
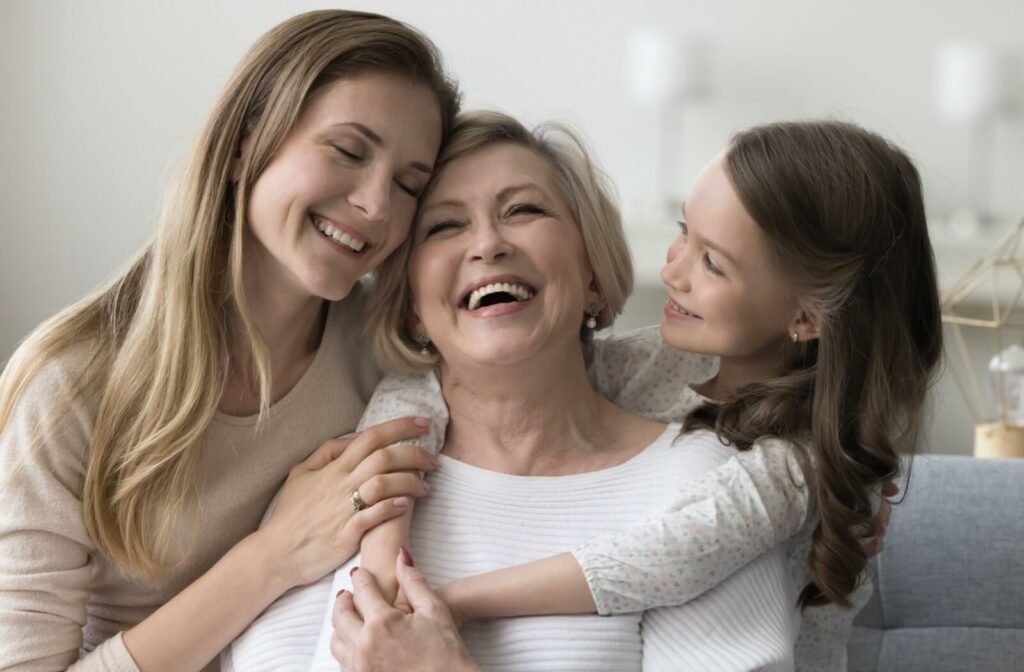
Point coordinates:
[(666, 72), (665, 69), (1006, 376), (651, 56), (967, 81)]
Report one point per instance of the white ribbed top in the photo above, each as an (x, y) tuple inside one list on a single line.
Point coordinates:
[(476, 520)]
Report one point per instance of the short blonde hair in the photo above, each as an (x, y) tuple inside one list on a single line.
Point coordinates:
[(582, 184)]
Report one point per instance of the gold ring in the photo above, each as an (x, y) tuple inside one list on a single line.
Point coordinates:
[(358, 504)]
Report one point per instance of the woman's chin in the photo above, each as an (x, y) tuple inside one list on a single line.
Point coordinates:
[(496, 353)]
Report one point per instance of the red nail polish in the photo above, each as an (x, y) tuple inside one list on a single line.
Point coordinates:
[(406, 557), (353, 571)]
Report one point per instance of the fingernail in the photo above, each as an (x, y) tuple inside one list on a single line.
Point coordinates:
[(340, 593), (352, 572), (422, 422), (426, 487), (406, 557), (400, 501)]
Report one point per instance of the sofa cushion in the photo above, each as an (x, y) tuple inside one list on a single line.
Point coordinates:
[(949, 587)]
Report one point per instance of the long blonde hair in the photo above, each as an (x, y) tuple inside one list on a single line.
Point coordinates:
[(160, 332)]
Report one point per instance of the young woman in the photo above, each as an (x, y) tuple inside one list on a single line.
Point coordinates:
[(145, 429), (804, 265)]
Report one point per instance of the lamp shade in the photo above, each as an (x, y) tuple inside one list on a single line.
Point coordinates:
[(664, 67), (966, 81)]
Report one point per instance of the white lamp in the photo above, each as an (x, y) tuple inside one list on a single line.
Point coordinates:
[(665, 72), (967, 91)]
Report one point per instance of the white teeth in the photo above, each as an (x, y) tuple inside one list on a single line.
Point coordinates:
[(520, 292), (340, 236)]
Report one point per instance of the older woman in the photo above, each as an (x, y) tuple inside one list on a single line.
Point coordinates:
[(516, 255)]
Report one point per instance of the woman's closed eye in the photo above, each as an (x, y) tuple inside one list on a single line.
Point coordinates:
[(524, 209), (442, 225), (411, 191), (347, 152)]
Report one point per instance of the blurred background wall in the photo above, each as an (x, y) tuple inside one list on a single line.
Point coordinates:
[(99, 100)]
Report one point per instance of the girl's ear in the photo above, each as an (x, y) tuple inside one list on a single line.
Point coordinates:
[(806, 326)]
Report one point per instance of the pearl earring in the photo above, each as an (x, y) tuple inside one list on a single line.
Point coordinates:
[(592, 312)]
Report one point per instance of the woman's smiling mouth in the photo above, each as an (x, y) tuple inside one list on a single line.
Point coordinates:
[(343, 239), (496, 296)]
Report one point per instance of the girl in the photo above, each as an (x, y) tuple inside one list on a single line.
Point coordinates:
[(803, 264), (145, 429)]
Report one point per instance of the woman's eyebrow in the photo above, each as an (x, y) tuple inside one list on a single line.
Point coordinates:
[(509, 190), (450, 202)]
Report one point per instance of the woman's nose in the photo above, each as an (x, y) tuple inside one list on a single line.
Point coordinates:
[(488, 243), (372, 196)]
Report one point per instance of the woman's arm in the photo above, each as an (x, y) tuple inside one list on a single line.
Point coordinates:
[(717, 523), (46, 556), (311, 531)]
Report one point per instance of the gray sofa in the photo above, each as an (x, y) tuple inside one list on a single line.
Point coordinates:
[(949, 592)]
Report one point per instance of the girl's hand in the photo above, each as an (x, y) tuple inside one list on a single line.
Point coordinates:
[(314, 528), (372, 636), (876, 543)]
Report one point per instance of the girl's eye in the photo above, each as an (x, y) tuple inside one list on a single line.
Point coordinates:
[(443, 225), (710, 265), (682, 227), (525, 209)]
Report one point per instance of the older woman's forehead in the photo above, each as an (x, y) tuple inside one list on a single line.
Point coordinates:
[(492, 171)]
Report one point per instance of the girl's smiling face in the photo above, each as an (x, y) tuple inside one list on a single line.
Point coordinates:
[(728, 294)]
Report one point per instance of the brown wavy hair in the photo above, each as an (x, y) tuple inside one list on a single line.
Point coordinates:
[(844, 211)]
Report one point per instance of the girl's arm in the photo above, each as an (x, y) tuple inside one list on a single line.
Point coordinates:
[(417, 394), (717, 523)]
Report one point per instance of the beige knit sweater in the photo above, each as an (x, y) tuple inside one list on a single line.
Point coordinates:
[(62, 603)]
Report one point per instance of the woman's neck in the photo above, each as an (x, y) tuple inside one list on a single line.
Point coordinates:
[(291, 327), (540, 417)]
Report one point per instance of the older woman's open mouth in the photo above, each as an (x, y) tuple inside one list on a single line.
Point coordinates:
[(496, 296)]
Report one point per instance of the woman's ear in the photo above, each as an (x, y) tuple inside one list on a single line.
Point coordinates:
[(806, 326), (594, 295)]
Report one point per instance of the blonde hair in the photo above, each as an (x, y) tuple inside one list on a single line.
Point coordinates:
[(582, 184), (161, 331)]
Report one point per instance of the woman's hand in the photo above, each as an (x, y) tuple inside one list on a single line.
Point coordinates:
[(314, 528), (372, 636)]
